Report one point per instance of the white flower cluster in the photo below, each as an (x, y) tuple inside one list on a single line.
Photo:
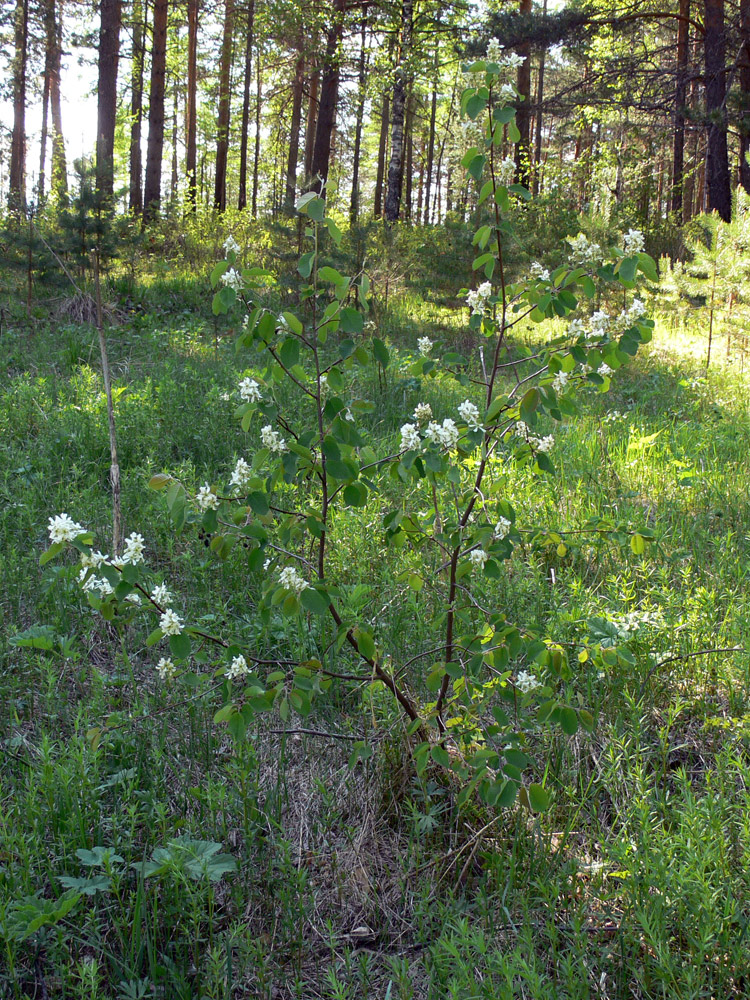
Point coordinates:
[(604, 369), (445, 435), (422, 412), (506, 171), (170, 623), (478, 557), (410, 439), (527, 682), (291, 579), (495, 54), (632, 242), (477, 298), (206, 499), (470, 414), (232, 278), (238, 668), (583, 252), (629, 317), (502, 529), (165, 669), (541, 443), (240, 475), (271, 439), (599, 325), (231, 245), (424, 346), (560, 382), (160, 594), (250, 390), (539, 272), (63, 528), (133, 551)]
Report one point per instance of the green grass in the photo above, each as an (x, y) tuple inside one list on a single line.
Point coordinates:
[(370, 883)]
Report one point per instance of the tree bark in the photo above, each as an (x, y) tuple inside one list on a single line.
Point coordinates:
[(523, 115), (398, 114), (17, 179), (382, 149), (361, 98), (135, 199), (745, 95), (312, 117), (43, 139), (59, 183), (222, 123), (680, 96), (431, 147), (538, 123), (258, 99), (191, 137), (109, 52), (409, 155), (155, 148), (295, 125), (329, 89), (244, 130), (717, 163)]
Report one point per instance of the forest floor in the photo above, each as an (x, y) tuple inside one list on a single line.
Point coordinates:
[(366, 882)]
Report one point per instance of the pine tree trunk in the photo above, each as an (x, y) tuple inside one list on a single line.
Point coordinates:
[(409, 156), (680, 96), (109, 51), (43, 140), (329, 89), (245, 125), (258, 100), (173, 179), (382, 149), (523, 115), (312, 117), (135, 199), (361, 98), (717, 163), (295, 125), (430, 148), (59, 182), (191, 138), (745, 95), (17, 179), (155, 148), (538, 124), (398, 115), (222, 122)]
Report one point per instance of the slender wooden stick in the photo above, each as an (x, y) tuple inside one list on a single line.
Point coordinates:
[(114, 468)]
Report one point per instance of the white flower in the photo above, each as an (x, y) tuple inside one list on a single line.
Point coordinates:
[(165, 669), (424, 345), (526, 682), (537, 271), (422, 412), (133, 551), (477, 298), (637, 309), (241, 474), (250, 390), (266, 564), (104, 587), (206, 499), (469, 413), (232, 278), (410, 440), (506, 171), (134, 598), (582, 251), (478, 557), (502, 528), (494, 51), (271, 439), (604, 369), (93, 560), (170, 623), (506, 93), (512, 60), (92, 583), (290, 579), (231, 245), (600, 324), (63, 528), (160, 594), (349, 415), (542, 444), (238, 668), (521, 429), (560, 382), (446, 435), (632, 242), (576, 328)]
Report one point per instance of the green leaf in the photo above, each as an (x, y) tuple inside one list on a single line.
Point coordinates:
[(351, 320), (180, 645), (538, 798), (305, 265), (380, 352), (638, 544), (51, 553), (315, 601), (36, 637), (159, 481), (440, 755)]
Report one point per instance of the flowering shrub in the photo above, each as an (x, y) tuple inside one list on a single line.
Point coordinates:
[(493, 680)]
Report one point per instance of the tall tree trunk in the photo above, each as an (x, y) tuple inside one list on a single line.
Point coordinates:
[(222, 123), (680, 96), (173, 178), (109, 52), (717, 164), (745, 94), (409, 155), (43, 141), (258, 100), (17, 180), (431, 145), (59, 182), (361, 98), (155, 148), (382, 149), (295, 125), (246, 80), (329, 89), (398, 114), (191, 121), (135, 199), (538, 124), (312, 117), (523, 115)]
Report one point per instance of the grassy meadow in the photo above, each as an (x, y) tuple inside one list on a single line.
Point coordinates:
[(167, 860)]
